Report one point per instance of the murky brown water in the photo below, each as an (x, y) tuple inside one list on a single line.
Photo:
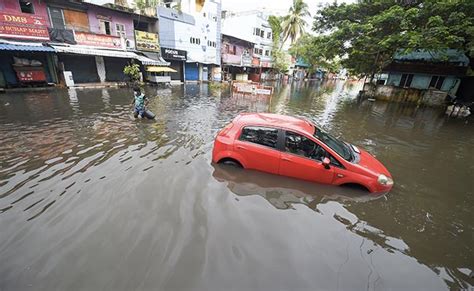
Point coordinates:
[(91, 199)]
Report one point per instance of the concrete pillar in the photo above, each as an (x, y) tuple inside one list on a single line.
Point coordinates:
[(100, 64), (184, 71), (200, 72)]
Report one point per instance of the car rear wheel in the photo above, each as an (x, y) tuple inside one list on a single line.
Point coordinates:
[(230, 162)]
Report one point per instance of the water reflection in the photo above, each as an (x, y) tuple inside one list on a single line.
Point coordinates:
[(283, 192), (84, 186)]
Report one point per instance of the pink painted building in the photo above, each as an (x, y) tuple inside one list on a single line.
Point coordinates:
[(26, 8), (103, 20), (236, 57)]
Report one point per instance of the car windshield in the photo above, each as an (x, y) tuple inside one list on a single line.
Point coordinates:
[(336, 145)]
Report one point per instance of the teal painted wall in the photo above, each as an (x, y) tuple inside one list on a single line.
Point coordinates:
[(422, 81), (451, 85), (393, 79)]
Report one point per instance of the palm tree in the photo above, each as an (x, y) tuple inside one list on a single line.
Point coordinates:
[(275, 24), (293, 24)]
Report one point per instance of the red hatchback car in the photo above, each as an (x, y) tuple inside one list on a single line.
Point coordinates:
[(295, 147)]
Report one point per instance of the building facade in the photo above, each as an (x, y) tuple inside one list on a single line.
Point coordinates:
[(252, 26), (193, 26), (422, 76), (54, 41), (236, 58), (23, 59)]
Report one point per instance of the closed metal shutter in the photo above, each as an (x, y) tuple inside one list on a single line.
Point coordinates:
[(83, 68), (192, 72), (114, 69)]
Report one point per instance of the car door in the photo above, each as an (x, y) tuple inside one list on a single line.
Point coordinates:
[(302, 159), (258, 146)]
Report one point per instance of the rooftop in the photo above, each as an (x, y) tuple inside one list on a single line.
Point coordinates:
[(277, 120), (446, 56)]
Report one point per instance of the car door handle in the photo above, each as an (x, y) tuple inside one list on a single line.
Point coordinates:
[(286, 159), (241, 147)]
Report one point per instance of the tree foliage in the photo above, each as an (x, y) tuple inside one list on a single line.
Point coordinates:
[(132, 71), (142, 4), (366, 34), (280, 61), (294, 24), (316, 52), (275, 24)]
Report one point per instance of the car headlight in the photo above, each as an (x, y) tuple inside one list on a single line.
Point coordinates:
[(384, 180)]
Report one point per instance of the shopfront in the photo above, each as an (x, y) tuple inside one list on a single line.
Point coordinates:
[(26, 64), (24, 60), (177, 59), (191, 72), (255, 70)]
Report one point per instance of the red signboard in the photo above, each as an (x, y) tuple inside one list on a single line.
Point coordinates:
[(23, 26), (100, 40), (30, 74)]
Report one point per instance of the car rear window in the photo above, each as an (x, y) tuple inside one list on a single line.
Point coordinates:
[(260, 135)]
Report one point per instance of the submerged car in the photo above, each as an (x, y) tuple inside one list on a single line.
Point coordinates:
[(295, 147)]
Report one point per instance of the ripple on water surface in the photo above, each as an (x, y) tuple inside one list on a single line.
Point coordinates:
[(88, 194)]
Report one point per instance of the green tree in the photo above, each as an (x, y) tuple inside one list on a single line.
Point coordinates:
[(132, 70), (294, 24), (280, 62), (366, 34), (142, 4), (275, 24), (316, 52)]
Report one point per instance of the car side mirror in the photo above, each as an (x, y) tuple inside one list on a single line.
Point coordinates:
[(326, 163)]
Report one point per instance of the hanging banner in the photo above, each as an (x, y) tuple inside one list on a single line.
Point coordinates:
[(147, 41), (23, 26), (99, 40)]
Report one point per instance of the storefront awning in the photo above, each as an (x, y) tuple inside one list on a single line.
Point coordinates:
[(160, 69), (25, 48), (151, 62), (81, 50)]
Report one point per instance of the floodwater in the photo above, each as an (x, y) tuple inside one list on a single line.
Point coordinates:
[(91, 199)]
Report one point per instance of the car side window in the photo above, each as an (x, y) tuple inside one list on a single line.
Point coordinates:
[(302, 146), (260, 135)]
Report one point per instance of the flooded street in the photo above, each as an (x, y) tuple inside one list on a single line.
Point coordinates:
[(91, 199)]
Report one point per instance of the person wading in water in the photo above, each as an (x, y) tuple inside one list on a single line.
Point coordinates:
[(140, 102)]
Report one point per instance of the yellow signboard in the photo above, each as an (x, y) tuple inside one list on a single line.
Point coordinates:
[(147, 41)]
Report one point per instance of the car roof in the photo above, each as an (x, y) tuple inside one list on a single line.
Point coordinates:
[(276, 120)]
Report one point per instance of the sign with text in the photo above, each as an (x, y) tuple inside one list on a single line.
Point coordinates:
[(246, 60), (266, 65), (252, 88), (147, 41), (99, 40), (23, 26), (173, 54)]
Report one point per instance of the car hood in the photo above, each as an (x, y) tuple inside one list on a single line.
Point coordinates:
[(370, 163)]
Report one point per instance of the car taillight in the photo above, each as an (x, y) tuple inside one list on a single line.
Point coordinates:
[(226, 129)]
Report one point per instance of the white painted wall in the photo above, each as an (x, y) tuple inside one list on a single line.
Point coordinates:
[(177, 33), (242, 24)]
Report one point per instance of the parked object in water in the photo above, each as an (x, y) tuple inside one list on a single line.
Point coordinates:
[(148, 114), (295, 147), (458, 110)]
